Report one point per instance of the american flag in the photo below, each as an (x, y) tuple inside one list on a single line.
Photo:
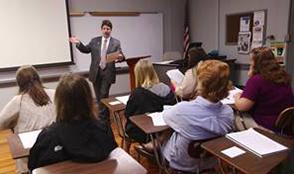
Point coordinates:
[(186, 32)]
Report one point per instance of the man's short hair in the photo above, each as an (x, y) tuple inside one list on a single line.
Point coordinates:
[(107, 23)]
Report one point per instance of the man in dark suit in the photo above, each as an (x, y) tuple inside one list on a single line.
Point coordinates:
[(102, 73)]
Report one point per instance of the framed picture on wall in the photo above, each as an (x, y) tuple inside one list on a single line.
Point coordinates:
[(244, 39)]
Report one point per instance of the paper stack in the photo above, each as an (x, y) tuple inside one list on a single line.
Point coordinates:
[(256, 142)]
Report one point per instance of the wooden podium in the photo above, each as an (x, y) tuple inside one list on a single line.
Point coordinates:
[(131, 61)]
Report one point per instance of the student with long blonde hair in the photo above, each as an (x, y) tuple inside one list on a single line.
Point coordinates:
[(149, 96)]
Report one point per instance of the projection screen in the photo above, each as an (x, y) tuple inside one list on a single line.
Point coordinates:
[(34, 32)]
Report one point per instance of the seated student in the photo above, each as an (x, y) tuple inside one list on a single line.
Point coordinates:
[(202, 118), (267, 91), (149, 96), (77, 134), (32, 108), (186, 89)]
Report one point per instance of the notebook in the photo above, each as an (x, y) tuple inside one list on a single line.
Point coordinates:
[(256, 142)]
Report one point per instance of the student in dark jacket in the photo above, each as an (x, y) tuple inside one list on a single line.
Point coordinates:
[(77, 134), (149, 96)]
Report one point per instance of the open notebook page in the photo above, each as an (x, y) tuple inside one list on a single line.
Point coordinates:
[(28, 139)]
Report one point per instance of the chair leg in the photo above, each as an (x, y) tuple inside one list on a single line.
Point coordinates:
[(126, 144), (223, 167)]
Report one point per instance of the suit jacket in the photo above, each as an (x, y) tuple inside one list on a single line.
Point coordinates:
[(94, 47)]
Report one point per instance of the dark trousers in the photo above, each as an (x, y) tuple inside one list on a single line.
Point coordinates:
[(102, 86)]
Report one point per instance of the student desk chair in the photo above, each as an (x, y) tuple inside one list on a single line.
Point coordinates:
[(145, 123)]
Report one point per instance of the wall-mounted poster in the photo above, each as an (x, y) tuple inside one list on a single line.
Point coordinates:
[(244, 23), (258, 29), (244, 42), (279, 49)]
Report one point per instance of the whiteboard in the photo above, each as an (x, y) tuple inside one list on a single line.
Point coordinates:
[(34, 32), (139, 35)]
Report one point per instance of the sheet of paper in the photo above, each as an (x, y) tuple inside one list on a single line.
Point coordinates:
[(28, 139), (244, 23), (124, 99), (164, 62), (232, 152), (157, 119), (115, 103), (230, 98), (166, 107), (258, 18), (175, 75), (257, 33)]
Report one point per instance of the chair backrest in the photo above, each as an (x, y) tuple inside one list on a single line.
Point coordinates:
[(195, 150), (171, 55), (285, 121)]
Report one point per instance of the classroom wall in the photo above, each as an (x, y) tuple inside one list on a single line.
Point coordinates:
[(208, 20), (121, 86), (290, 51), (204, 23), (173, 15), (173, 26)]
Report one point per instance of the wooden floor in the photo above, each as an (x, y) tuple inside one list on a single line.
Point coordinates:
[(7, 164)]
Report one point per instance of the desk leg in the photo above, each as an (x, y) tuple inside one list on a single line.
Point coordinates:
[(119, 126), (157, 152), (224, 168)]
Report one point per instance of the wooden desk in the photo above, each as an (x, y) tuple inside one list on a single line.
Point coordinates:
[(145, 123), (16, 148), (119, 162), (113, 108), (248, 163), (7, 164), (115, 111)]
